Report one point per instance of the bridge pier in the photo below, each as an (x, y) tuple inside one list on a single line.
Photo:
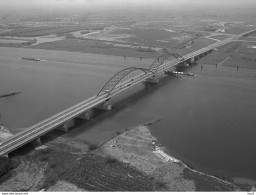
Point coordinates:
[(168, 72), (151, 80), (193, 60), (196, 58), (201, 55), (5, 155), (37, 142), (105, 106), (206, 53), (190, 61), (65, 127), (184, 64), (87, 115)]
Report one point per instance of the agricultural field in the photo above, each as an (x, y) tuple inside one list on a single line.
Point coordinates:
[(248, 39), (41, 31), (220, 37), (247, 49), (239, 29), (191, 46), (220, 54), (97, 173), (148, 43), (144, 36), (245, 57), (16, 42), (241, 62), (236, 54), (96, 47), (252, 34), (122, 49), (68, 164)]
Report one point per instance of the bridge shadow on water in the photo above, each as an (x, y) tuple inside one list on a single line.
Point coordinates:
[(123, 101)]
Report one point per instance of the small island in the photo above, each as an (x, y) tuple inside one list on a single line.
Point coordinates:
[(9, 94)]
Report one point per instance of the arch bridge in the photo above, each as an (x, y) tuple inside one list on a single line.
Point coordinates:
[(127, 76), (124, 78), (164, 60)]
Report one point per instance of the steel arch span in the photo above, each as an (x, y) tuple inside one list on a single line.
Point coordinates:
[(164, 58), (123, 78)]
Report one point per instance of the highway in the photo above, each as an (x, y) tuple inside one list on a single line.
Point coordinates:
[(63, 117)]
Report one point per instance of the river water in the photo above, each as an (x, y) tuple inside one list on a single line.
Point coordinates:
[(207, 121)]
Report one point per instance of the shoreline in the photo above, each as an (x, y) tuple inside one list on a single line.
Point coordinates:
[(4, 133), (139, 148), (174, 160), (169, 158), (163, 152)]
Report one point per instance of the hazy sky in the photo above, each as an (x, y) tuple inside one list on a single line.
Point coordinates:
[(28, 3)]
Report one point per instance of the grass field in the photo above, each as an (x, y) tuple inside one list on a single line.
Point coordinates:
[(205, 183), (220, 37), (221, 54), (175, 44), (41, 31), (94, 46), (195, 45), (245, 57), (238, 29), (158, 37), (248, 39), (97, 173), (241, 62), (235, 54), (16, 42), (253, 34)]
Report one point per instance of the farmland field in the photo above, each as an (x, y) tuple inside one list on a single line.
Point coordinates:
[(143, 39), (244, 57), (144, 36), (96, 173), (220, 37), (253, 34), (41, 31), (236, 54), (239, 29), (220, 54), (241, 62), (94, 46)]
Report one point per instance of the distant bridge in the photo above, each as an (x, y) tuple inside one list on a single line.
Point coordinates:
[(120, 82)]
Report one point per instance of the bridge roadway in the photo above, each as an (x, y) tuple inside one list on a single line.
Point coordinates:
[(63, 117)]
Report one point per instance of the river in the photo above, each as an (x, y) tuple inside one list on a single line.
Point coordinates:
[(207, 121)]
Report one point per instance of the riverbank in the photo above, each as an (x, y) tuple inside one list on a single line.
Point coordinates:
[(140, 149), (132, 160), (4, 133)]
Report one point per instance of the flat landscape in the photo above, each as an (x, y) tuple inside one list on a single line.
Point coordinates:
[(189, 129), (236, 54)]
